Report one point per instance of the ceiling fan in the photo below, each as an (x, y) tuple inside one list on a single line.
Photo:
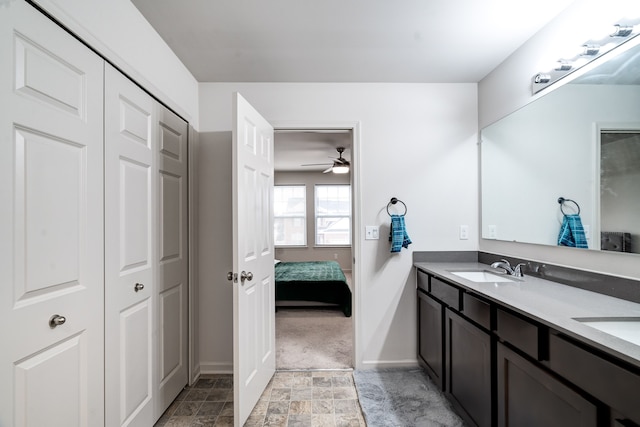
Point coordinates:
[(339, 165)]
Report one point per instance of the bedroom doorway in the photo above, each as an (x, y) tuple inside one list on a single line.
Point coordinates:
[(313, 229)]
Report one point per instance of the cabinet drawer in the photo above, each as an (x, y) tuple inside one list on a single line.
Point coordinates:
[(446, 293), (519, 332), (606, 381), (477, 310), (423, 280)]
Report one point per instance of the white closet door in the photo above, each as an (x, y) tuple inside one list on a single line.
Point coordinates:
[(173, 273), (130, 225), (51, 224)]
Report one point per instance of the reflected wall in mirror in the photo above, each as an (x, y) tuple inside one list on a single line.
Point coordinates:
[(581, 142)]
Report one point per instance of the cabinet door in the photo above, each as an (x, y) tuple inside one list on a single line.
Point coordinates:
[(468, 368), (603, 379), (51, 219), (530, 397), (430, 348)]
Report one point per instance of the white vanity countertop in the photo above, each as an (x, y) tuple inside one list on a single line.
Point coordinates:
[(550, 303)]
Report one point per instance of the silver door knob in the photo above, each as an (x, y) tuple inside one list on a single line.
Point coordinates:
[(56, 320), (138, 287), (246, 276)]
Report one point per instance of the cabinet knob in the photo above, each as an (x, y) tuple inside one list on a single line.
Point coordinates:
[(138, 287), (56, 320)]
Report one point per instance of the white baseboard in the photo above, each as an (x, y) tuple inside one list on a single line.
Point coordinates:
[(387, 364), (216, 368), (195, 375)]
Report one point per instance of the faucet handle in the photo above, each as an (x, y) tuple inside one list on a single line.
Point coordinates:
[(517, 270)]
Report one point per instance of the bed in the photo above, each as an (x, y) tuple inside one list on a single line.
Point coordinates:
[(317, 281)]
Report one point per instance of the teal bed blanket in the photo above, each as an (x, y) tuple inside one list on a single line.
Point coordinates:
[(320, 281)]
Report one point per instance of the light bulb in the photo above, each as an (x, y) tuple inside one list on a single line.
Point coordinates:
[(340, 169)]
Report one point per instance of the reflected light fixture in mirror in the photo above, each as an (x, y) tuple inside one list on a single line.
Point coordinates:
[(621, 32)]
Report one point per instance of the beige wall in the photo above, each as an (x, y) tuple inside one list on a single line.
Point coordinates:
[(417, 142), (312, 252)]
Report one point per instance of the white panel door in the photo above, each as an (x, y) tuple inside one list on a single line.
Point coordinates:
[(173, 273), (130, 225), (254, 360), (51, 224)]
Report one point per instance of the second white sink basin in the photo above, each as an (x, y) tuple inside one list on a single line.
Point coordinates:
[(481, 276), (626, 328)]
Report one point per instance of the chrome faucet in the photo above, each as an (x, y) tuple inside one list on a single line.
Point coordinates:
[(506, 266)]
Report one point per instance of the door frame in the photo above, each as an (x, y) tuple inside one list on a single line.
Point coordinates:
[(356, 214), (598, 129), (193, 296)]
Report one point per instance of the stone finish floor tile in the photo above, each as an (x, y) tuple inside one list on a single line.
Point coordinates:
[(300, 407), (322, 420), (292, 399)]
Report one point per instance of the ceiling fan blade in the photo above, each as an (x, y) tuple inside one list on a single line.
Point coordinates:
[(328, 170), (317, 164)]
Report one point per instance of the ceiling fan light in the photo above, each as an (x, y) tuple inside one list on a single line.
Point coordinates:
[(340, 169)]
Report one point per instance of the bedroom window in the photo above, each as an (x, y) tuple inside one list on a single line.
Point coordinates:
[(333, 215), (290, 215)]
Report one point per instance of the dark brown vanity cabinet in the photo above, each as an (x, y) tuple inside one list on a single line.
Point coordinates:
[(430, 332), (501, 367), (468, 368), (528, 396), (430, 317), (455, 352), (612, 383)]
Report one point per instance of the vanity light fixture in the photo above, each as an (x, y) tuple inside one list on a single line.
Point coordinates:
[(616, 35)]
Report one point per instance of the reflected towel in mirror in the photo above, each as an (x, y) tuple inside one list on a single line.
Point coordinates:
[(572, 232)]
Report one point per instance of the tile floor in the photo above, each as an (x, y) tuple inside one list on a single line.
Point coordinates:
[(292, 398)]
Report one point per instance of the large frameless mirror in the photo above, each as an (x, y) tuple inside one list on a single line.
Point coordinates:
[(581, 143)]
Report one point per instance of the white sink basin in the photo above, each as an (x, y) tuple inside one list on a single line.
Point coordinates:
[(626, 328), (481, 276)]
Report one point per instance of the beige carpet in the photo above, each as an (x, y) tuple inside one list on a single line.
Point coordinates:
[(313, 339)]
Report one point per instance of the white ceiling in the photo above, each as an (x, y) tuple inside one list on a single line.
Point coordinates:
[(417, 41), (296, 148), (432, 41)]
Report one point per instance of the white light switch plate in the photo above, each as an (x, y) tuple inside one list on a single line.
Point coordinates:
[(371, 232), (464, 232)]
